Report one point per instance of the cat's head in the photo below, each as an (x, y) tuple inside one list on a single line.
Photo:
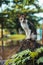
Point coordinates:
[(21, 18)]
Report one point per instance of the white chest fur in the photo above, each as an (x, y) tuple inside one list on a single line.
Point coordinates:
[(26, 29)]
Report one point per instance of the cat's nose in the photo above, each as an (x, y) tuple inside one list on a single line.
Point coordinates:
[(23, 21), (24, 18)]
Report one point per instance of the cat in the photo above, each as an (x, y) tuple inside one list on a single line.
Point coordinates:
[(27, 29)]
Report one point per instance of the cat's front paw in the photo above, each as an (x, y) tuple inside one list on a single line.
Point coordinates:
[(28, 37)]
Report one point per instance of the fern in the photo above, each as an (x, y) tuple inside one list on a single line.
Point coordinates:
[(40, 60), (22, 57)]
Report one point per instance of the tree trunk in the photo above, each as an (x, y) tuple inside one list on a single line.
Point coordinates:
[(2, 40)]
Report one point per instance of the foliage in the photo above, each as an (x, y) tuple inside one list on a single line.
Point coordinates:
[(17, 37), (4, 1), (22, 57), (14, 37), (39, 50), (40, 60), (19, 7)]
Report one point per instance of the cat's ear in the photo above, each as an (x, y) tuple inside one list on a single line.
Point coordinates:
[(18, 15), (25, 15), (21, 15)]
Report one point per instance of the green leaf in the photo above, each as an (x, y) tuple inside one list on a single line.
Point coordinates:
[(24, 2), (40, 60), (25, 59)]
